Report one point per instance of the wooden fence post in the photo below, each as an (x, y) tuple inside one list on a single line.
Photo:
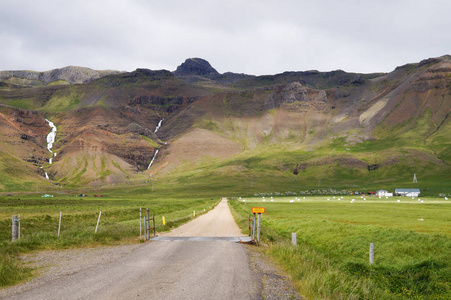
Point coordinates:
[(98, 220), (14, 228), (293, 239), (59, 224), (18, 228), (371, 253)]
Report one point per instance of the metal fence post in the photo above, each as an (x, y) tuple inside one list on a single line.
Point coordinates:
[(153, 220), (259, 227), (253, 230), (147, 224), (144, 226)]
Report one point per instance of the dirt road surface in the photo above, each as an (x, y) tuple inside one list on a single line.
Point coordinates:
[(167, 269), (199, 260), (218, 222)]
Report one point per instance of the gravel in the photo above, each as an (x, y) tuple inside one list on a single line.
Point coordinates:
[(275, 283), (50, 265), (270, 281)]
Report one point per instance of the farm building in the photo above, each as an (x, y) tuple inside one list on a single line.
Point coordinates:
[(407, 192), (383, 193)]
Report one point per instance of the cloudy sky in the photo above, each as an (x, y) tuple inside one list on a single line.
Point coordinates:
[(254, 37)]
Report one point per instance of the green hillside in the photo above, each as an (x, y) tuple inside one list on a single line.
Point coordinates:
[(243, 134)]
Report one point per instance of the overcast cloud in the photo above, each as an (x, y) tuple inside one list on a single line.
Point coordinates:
[(254, 37)]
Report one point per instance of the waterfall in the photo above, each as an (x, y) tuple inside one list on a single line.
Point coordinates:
[(153, 158), (158, 126), (51, 139)]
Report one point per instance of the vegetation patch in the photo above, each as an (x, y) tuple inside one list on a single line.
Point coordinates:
[(330, 260), (119, 223)]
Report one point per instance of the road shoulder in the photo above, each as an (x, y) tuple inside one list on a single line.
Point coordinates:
[(274, 282)]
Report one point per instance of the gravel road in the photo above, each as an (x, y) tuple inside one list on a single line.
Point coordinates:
[(199, 260)]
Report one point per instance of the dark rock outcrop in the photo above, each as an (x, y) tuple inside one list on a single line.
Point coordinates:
[(197, 67)]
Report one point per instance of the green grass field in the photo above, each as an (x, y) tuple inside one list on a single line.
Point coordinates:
[(331, 260), (412, 238), (119, 223)]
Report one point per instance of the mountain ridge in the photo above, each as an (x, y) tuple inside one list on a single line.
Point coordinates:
[(69, 74), (357, 127)]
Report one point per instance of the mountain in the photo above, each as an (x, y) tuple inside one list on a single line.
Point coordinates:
[(195, 70), (67, 75), (286, 131), (196, 66)]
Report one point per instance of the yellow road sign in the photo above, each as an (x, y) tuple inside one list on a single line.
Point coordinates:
[(258, 210)]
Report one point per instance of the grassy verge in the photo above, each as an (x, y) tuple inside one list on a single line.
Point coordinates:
[(119, 223), (330, 261)]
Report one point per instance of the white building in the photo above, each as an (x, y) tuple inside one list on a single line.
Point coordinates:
[(407, 192), (383, 193)]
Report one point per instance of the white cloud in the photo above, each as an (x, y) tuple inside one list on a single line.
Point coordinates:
[(255, 37)]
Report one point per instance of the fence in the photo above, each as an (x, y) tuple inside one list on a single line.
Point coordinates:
[(144, 223)]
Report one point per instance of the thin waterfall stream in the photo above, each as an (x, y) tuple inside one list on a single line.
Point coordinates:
[(156, 152), (50, 140)]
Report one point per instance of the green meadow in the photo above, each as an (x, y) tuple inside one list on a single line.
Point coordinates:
[(119, 222), (331, 259)]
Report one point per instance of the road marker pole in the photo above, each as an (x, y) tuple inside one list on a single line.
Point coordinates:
[(164, 221), (140, 229), (294, 239)]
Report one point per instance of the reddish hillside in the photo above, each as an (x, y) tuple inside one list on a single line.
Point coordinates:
[(106, 126)]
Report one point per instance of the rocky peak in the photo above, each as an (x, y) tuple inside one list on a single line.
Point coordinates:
[(196, 66)]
